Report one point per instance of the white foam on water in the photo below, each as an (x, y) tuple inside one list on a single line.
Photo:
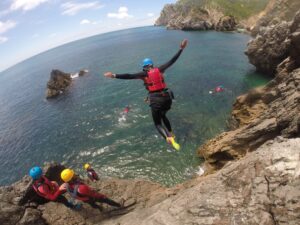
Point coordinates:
[(100, 151), (200, 171), (109, 133), (122, 118), (85, 153), (75, 75)]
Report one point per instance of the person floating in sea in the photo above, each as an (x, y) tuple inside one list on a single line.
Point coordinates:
[(217, 89), (160, 97), (80, 191), (47, 189), (126, 110), (92, 175)]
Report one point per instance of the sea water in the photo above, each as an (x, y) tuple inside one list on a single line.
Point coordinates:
[(86, 124)]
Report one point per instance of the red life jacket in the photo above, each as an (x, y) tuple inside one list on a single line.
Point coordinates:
[(155, 80), (83, 192), (44, 187), (92, 174)]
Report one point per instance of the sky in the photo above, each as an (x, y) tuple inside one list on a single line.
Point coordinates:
[(29, 27)]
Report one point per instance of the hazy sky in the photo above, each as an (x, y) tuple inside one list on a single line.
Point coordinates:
[(28, 27)]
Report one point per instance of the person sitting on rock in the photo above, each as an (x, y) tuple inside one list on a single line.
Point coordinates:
[(47, 189), (80, 191), (92, 175)]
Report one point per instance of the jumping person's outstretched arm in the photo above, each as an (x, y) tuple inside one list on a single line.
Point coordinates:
[(143, 74), (127, 76), (165, 66)]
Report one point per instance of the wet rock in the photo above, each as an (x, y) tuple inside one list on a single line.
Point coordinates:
[(58, 83)]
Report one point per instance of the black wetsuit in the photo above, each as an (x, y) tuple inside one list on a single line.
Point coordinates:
[(160, 101)]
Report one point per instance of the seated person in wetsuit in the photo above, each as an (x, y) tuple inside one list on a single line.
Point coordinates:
[(92, 175), (80, 191)]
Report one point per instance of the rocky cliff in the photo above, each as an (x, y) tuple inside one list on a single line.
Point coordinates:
[(261, 188), (205, 15), (253, 15), (275, 12), (267, 112)]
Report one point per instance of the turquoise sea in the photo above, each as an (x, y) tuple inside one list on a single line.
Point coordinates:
[(86, 125)]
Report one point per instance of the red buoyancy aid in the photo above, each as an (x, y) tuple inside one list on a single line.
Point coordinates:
[(45, 188), (155, 80), (92, 174), (83, 192)]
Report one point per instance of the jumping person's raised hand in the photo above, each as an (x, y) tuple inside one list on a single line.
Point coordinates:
[(109, 75), (183, 44)]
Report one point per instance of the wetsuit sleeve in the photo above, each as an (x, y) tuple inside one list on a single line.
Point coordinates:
[(165, 66), (53, 196), (129, 76)]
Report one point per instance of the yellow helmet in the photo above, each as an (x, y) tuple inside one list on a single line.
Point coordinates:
[(67, 175), (86, 166)]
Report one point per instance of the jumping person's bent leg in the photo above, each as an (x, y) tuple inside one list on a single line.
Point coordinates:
[(166, 121), (156, 115)]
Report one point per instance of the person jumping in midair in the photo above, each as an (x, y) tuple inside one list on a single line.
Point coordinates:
[(160, 96)]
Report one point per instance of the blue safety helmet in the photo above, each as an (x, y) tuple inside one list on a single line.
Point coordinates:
[(147, 62), (36, 172)]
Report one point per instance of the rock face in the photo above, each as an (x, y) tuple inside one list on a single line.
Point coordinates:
[(19, 204), (226, 23), (270, 48), (261, 188), (207, 15), (268, 112), (58, 83), (185, 17), (275, 12), (273, 45)]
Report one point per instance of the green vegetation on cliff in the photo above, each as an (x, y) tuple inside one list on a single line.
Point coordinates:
[(241, 9)]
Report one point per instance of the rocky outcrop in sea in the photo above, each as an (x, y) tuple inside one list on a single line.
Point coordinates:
[(60, 81)]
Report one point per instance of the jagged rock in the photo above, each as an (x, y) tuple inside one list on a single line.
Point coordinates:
[(226, 23), (262, 188), (266, 52), (188, 17), (82, 72), (58, 83), (268, 112), (19, 204), (275, 12), (274, 45)]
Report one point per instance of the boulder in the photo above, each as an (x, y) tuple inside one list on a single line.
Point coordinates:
[(58, 83), (226, 23), (268, 50)]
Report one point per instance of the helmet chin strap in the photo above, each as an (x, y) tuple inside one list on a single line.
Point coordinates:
[(147, 68)]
